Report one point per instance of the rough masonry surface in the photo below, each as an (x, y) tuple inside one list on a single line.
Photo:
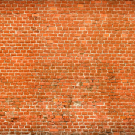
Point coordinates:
[(67, 67)]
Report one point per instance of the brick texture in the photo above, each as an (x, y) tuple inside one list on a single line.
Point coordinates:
[(67, 67)]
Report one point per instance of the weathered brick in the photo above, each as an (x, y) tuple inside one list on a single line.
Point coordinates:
[(67, 67)]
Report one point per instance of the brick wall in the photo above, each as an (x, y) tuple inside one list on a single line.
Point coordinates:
[(67, 67)]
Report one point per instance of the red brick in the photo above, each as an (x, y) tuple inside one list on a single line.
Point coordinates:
[(128, 2), (53, 8), (67, 67), (53, 130), (116, 133), (52, 28), (80, 5)]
